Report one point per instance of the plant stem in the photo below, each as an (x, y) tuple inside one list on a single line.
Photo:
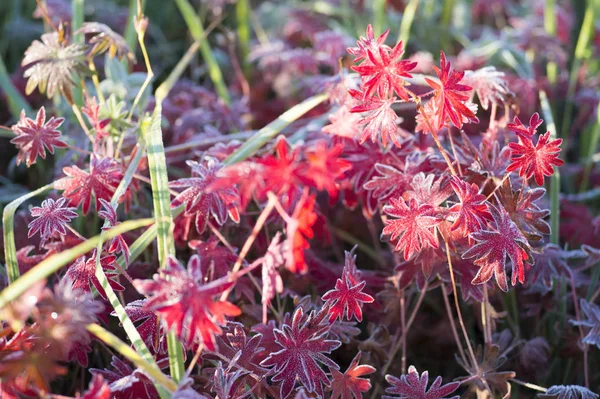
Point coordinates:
[(555, 178), (461, 351), (456, 303)]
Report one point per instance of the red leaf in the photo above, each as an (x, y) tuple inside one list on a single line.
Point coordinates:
[(414, 387), (83, 274), (298, 231), (35, 136), (368, 42), (186, 304), (450, 96), (533, 160), (324, 167), (347, 296), (494, 245), (349, 385), (303, 346), (127, 383), (52, 217), (92, 113), (98, 389), (384, 72), (218, 202), (527, 131), (472, 210), (101, 182), (381, 118), (150, 328), (414, 226)]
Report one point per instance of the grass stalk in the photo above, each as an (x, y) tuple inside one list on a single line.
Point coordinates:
[(583, 41), (550, 26), (242, 14), (194, 23), (55, 262), (121, 347), (407, 20), (8, 225), (16, 102)]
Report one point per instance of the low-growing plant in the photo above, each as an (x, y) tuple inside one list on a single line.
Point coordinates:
[(390, 213)]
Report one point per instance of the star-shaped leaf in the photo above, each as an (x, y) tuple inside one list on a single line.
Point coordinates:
[(413, 225), (100, 182), (413, 386), (450, 95), (494, 245), (34, 137), (303, 346), (347, 296), (51, 218), (350, 385)]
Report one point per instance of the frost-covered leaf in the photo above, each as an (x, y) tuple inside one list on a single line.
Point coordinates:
[(413, 386), (34, 137), (187, 304), (451, 96), (493, 246), (51, 218), (350, 385), (303, 347), (52, 64), (412, 224)]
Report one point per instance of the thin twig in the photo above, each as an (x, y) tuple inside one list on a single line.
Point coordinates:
[(456, 303)]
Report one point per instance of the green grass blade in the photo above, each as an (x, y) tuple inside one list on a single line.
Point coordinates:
[(151, 369), (555, 178), (196, 28), (165, 87), (128, 326), (550, 26), (161, 199), (259, 139), (77, 8), (407, 19), (583, 41), (16, 102), (378, 16), (53, 263), (594, 139), (242, 14), (8, 225)]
